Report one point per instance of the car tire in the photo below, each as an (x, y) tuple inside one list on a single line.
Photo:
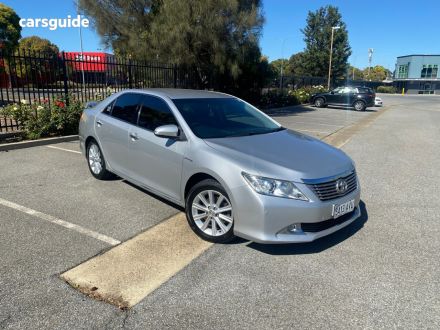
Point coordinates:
[(359, 105), (319, 102), (209, 212), (96, 161)]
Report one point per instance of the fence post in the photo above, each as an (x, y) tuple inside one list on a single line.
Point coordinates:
[(130, 76), (66, 88), (175, 75)]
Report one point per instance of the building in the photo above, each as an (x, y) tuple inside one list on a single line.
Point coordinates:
[(418, 74), (93, 67), (96, 66)]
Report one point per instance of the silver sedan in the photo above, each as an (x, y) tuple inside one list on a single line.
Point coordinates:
[(236, 171)]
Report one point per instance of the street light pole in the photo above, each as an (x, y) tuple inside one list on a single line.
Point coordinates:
[(331, 54), (82, 53), (282, 65)]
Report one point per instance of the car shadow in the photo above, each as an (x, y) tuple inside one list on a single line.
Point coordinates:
[(320, 244), (163, 200), (288, 111), (341, 107)]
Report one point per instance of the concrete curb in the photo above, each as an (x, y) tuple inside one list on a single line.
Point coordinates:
[(36, 143)]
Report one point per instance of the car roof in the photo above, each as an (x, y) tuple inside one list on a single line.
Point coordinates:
[(180, 93), (355, 86)]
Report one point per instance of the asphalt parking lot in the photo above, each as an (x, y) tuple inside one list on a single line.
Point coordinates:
[(380, 272)]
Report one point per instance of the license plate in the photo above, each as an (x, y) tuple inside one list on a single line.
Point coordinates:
[(341, 209)]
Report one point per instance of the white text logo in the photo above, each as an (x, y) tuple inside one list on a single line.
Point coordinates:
[(55, 23)]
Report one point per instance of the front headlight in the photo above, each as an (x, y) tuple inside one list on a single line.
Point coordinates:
[(274, 187)]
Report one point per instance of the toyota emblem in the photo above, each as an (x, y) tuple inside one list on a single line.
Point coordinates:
[(341, 186)]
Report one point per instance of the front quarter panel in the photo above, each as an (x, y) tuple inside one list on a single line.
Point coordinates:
[(86, 127)]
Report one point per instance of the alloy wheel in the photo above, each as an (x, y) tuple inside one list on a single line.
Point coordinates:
[(359, 106), (95, 159), (212, 213)]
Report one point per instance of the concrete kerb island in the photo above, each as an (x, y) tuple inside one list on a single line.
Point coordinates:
[(37, 143)]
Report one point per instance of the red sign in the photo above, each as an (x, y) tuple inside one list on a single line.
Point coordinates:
[(89, 61)]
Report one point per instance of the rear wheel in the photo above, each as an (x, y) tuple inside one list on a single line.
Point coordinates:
[(359, 106), (209, 212), (319, 102), (96, 162)]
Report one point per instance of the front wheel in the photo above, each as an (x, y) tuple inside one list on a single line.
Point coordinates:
[(359, 106), (319, 102), (209, 212), (96, 162)]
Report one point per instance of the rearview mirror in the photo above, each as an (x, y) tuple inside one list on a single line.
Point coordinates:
[(91, 104), (168, 131)]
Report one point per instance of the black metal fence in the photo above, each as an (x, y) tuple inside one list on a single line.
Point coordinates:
[(307, 81), (36, 77)]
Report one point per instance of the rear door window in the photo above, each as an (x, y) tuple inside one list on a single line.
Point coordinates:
[(365, 90), (108, 109), (154, 113), (126, 107)]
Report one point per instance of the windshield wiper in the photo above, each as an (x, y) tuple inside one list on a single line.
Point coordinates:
[(281, 128), (278, 129)]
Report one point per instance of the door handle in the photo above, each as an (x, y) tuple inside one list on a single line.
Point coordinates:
[(134, 136), (98, 123)]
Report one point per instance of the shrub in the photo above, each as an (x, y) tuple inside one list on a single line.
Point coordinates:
[(303, 94), (43, 120), (386, 89), (273, 98), (276, 99)]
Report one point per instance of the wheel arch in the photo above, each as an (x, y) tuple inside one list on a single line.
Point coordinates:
[(196, 178), (320, 97), (359, 100), (87, 142)]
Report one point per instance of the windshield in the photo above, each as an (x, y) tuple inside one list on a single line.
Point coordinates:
[(223, 117)]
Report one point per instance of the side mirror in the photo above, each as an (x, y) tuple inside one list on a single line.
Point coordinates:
[(91, 104), (332, 92), (167, 131)]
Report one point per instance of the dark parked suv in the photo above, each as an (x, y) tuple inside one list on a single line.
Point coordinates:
[(357, 97)]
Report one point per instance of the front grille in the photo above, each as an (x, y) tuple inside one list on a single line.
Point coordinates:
[(327, 190), (315, 227)]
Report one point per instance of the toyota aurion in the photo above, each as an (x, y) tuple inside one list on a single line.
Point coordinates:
[(235, 170)]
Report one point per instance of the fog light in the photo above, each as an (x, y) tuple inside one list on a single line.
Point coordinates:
[(295, 228)]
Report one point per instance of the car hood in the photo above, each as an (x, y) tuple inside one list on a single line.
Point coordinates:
[(284, 155)]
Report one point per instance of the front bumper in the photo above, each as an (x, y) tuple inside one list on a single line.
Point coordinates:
[(266, 219)]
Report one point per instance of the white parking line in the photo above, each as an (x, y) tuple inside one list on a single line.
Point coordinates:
[(60, 222), (314, 123), (58, 148), (309, 130)]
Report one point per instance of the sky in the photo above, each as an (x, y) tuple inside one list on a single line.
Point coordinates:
[(391, 27)]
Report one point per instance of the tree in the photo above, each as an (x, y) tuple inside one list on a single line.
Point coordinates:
[(10, 29), (355, 73), (296, 64), (376, 73), (36, 72), (212, 38), (278, 63), (317, 35), (37, 44), (121, 24)]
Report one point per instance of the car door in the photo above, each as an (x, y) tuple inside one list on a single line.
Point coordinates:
[(112, 128), (348, 95), (156, 162), (334, 96)]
